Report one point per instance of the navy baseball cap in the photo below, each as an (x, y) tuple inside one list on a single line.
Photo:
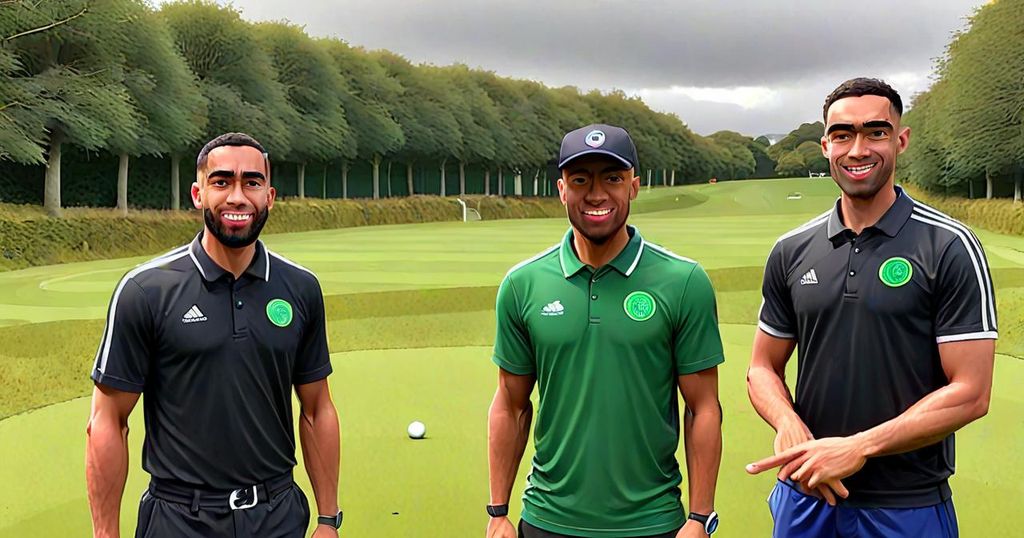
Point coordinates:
[(598, 138)]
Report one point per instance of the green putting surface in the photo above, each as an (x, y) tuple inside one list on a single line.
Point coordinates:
[(410, 324)]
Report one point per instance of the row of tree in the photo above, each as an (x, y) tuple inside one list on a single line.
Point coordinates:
[(118, 77), (969, 126)]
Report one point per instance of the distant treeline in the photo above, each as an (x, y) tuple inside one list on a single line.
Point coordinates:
[(96, 89), (968, 128)]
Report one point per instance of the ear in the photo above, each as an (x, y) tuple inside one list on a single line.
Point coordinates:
[(634, 187), (271, 196), (561, 190), (903, 140), (197, 200), (824, 146)]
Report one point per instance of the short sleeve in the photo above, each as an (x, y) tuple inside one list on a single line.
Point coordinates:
[(313, 361), (123, 358), (776, 317), (965, 305), (513, 351), (697, 344)]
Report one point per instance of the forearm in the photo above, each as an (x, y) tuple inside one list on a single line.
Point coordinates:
[(508, 431), (702, 434), (320, 436), (770, 396), (927, 422), (106, 469)]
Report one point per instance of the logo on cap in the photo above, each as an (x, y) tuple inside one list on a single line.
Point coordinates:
[(594, 138)]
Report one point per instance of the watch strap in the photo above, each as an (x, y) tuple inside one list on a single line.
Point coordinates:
[(333, 521), (497, 510)]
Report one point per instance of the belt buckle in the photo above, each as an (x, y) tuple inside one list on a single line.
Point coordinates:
[(240, 499)]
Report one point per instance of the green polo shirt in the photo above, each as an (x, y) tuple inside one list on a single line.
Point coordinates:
[(606, 346)]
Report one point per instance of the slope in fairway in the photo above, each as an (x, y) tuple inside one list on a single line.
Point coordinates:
[(424, 355)]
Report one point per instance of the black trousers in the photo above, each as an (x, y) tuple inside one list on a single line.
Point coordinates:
[(529, 531), (284, 515)]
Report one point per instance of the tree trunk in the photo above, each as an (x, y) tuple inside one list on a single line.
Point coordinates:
[(673, 179), (408, 178), (536, 182), (389, 178), (648, 178), (988, 185), (302, 180), (443, 162), (376, 176), (122, 184), (517, 184), (487, 182), (970, 189), (462, 178), (1017, 178), (175, 181), (501, 182), (664, 177), (51, 186), (344, 178)]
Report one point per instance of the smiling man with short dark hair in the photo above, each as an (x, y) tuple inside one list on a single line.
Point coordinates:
[(217, 334), (891, 305)]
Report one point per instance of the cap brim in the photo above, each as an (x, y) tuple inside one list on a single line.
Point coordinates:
[(575, 156)]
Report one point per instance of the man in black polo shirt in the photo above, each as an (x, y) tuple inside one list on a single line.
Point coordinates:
[(216, 333), (891, 305)]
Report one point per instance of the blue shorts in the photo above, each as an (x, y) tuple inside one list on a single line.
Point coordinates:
[(803, 516)]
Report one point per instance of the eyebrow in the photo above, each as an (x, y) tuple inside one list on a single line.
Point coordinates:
[(228, 174), (874, 124)]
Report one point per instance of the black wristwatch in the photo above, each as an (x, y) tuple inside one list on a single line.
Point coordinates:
[(334, 521), (709, 521), (497, 510)]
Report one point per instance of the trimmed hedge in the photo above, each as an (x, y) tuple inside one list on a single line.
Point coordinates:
[(29, 238), (997, 214)]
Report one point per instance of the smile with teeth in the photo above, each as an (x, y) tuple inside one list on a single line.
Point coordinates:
[(596, 212), (237, 217), (860, 169)]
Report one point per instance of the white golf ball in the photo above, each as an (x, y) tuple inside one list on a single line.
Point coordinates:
[(417, 430)]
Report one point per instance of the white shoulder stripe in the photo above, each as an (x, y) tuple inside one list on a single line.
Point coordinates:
[(667, 252), (927, 211), (988, 321), (108, 332), (285, 260), (990, 335), (636, 260), (806, 226), (534, 258)]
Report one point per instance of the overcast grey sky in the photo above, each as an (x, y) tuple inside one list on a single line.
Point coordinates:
[(747, 65)]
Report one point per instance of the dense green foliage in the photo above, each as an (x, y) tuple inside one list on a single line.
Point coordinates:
[(968, 128), (28, 239), (140, 89)]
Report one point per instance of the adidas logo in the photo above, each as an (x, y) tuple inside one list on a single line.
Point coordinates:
[(553, 309), (194, 315), (810, 277)]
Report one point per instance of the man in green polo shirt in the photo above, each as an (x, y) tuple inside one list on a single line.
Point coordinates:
[(608, 325)]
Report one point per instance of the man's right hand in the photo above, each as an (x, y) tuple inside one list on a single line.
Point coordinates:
[(792, 432), (501, 527)]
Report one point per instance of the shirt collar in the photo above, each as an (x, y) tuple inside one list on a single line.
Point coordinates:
[(625, 262), (259, 268), (890, 224)]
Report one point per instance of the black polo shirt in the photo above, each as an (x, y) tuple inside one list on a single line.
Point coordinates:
[(216, 358), (868, 312)]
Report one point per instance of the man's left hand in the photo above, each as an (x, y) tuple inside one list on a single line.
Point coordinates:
[(325, 531), (821, 461), (692, 529)]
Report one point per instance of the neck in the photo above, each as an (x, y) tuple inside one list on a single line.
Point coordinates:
[(598, 256), (859, 213), (232, 260)]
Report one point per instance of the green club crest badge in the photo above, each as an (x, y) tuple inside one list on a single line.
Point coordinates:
[(895, 272), (639, 306), (279, 312)]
